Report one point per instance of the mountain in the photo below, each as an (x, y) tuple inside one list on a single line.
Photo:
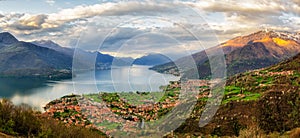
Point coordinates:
[(45, 59), (270, 97), (103, 61), (151, 59), (122, 61), (243, 53), (6, 39), (23, 59), (52, 45)]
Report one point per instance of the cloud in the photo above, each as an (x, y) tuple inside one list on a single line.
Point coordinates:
[(243, 17), (128, 41), (65, 16), (51, 2), (141, 9), (28, 22), (90, 24), (132, 8), (245, 12), (106, 9)]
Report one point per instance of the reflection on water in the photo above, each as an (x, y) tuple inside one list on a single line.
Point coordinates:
[(25, 86), (37, 93)]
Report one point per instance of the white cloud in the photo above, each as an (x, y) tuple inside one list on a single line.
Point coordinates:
[(51, 2), (227, 18)]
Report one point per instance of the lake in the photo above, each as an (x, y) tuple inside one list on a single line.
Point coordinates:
[(37, 93)]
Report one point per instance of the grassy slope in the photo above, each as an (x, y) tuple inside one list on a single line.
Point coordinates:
[(266, 99)]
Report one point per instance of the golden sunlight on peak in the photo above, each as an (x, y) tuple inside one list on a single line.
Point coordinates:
[(236, 42), (264, 40), (241, 41), (282, 42), (231, 43)]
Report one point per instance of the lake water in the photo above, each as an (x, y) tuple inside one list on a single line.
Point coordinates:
[(37, 93)]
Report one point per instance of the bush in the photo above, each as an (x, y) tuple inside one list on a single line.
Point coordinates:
[(23, 121)]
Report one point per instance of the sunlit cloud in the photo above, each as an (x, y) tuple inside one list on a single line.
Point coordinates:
[(226, 19)]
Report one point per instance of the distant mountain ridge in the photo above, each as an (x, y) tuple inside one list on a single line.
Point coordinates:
[(52, 45), (151, 59), (103, 61), (47, 59), (243, 53), (122, 61)]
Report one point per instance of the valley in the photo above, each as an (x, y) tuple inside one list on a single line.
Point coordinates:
[(270, 96), (150, 69), (261, 79)]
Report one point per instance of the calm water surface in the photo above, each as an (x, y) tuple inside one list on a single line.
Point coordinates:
[(122, 79)]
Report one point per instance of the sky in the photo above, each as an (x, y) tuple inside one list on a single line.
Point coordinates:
[(135, 28)]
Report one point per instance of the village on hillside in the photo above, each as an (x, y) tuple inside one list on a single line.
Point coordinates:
[(109, 112)]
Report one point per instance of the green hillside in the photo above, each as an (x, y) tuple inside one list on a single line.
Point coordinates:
[(260, 102)]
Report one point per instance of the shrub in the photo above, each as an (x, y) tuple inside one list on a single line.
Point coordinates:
[(23, 121)]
